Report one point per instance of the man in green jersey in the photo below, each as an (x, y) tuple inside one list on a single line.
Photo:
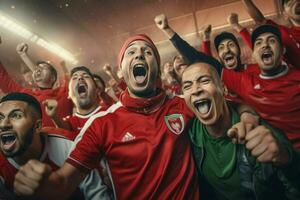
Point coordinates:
[(257, 163)]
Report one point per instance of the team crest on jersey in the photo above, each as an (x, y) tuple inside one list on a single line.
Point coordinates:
[(175, 123)]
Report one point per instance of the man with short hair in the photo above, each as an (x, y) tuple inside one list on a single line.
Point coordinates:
[(290, 35), (247, 169), (44, 76), (22, 139), (83, 92)]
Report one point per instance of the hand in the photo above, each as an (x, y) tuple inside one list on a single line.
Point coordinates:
[(161, 21), (264, 146), (50, 107), (239, 131), (22, 48), (233, 19), (206, 32), (30, 177), (107, 68)]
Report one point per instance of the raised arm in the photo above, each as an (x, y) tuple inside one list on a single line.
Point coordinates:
[(185, 49), (22, 51), (108, 70), (254, 12), (233, 20), (206, 34), (51, 108)]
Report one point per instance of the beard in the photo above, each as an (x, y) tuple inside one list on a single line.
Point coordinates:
[(85, 103), (24, 142)]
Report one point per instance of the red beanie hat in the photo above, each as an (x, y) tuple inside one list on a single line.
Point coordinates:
[(141, 37)]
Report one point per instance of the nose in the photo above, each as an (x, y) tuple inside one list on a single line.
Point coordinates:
[(139, 55), (80, 78), (196, 90), (5, 124)]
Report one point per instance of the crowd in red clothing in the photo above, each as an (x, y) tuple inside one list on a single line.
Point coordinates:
[(129, 135)]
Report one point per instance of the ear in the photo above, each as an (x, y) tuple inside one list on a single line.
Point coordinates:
[(224, 88), (283, 51), (38, 125)]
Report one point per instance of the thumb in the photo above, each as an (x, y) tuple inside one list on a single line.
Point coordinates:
[(232, 133)]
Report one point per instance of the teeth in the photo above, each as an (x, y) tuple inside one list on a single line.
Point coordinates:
[(8, 138)]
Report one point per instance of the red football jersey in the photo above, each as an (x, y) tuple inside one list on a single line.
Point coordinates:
[(276, 99), (60, 94), (77, 120), (149, 155)]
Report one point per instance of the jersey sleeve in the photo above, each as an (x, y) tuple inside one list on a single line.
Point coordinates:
[(233, 80), (8, 84), (86, 152), (244, 33), (206, 48)]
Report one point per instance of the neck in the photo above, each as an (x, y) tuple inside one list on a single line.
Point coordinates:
[(33, 152), (145, 95), (219, 128), (87, 110), (274, 71)]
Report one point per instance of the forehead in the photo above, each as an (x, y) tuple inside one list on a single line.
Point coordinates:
[(226, 41), (80, 72), (139, 44), (266, 35), (195, 70), (8, 106)]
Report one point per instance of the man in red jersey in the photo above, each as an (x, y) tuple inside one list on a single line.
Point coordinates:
[(22, 138), (142, 137), (290, 35), (44, 76), (83, 92)]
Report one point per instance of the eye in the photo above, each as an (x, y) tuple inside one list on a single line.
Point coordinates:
[(220, 48), (17, 115), (87, 76), (257, 43), (148, 52), (186, 86), (231, 44), (272, 40), (130, 52), (205, 80), (74, 78)]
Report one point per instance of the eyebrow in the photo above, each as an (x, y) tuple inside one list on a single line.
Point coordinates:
[(133, 43), (198, 78)]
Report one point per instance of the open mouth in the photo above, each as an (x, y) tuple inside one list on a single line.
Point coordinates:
[(82, 89), (229, 59), (267, 57), (139, 73), (8, 141), (203, 106)]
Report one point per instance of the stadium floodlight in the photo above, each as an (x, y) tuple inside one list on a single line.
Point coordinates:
[(14, 27)]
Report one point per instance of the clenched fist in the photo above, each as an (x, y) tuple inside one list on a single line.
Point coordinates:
[(161, 21), (261, 142), (50, 107), (22, 48), (30, 177)]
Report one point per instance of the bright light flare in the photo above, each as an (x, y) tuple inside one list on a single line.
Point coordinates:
[(17, 29)]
